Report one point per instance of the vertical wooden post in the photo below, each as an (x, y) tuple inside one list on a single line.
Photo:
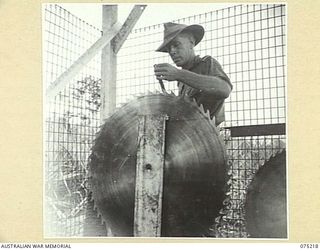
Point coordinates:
[(149, 176), (108, 64), (108, 69)]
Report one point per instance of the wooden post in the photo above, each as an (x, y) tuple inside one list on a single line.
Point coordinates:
[(149, 176), (108, 64)]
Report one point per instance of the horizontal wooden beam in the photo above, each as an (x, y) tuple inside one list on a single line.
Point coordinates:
[(60, 83), (258, 130), (127, 27)]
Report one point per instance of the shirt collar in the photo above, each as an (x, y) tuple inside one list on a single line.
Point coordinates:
[(195, 62)]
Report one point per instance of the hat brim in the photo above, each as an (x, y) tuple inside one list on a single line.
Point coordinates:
[(195, 29)]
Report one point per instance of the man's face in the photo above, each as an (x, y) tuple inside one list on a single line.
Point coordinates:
[(181, 50)]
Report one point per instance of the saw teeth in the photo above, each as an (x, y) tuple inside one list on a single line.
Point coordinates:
[(228, 193), (202, 109), (95, 207), (214, 124), (164, 92), (220, 136), (194, 101), (103, 222), (208, 114), (212, 120), (99, 216), (217, 220)]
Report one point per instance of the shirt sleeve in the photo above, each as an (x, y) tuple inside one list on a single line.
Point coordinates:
[(214, 68)]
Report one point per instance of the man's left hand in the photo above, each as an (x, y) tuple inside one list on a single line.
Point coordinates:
[(165, 71)]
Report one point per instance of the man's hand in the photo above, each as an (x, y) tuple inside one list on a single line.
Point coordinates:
[(165, 71)]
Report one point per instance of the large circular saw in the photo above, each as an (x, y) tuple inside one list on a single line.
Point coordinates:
[(194, 166)]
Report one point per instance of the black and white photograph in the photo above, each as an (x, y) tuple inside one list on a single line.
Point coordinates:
[(165, 120)]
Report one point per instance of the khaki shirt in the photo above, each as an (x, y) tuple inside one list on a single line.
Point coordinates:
[(207, 66)]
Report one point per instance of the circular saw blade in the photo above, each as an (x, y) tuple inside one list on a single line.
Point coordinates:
[(194, 172), (266, 207)]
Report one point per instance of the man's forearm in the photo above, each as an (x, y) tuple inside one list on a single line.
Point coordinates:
[(211, 84)]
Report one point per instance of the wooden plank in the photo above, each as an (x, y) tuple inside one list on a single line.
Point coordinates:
[(108, 64), (149, 176), (60, 83), (258, 130), (127, 27)]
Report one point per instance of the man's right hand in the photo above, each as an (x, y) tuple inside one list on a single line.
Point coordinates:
[(165, 71)]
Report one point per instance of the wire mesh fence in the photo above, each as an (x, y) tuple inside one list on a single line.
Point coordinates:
[(71, 120), (250, 43)]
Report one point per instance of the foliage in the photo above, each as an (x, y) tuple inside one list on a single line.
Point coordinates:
[(69, 137)]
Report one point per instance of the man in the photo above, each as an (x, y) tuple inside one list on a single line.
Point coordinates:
[(199, 78)]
